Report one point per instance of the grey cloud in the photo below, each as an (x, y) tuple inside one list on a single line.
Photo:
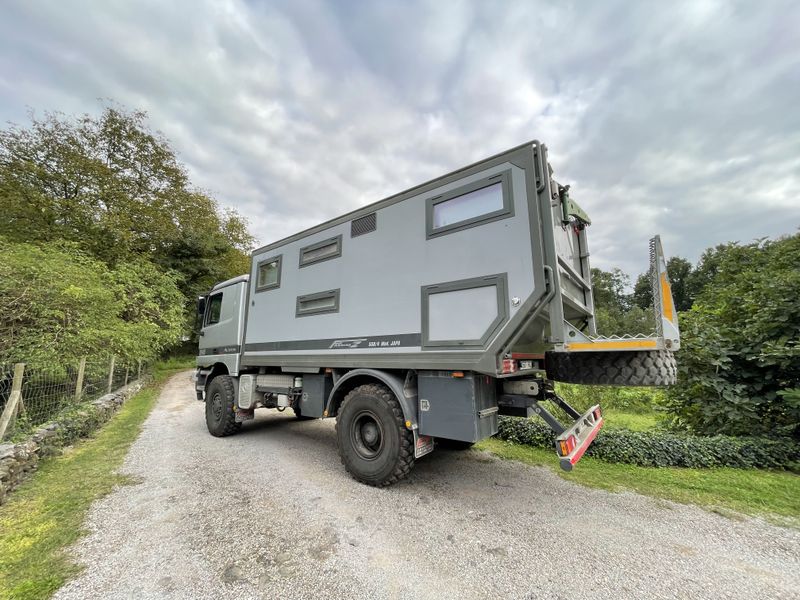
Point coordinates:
[(676, 118)]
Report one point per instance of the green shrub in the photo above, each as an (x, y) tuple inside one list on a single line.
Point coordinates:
[(628, 399), (739, 363), (665, 449)]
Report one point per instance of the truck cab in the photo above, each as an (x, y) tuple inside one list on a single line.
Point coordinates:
[(222, 317)]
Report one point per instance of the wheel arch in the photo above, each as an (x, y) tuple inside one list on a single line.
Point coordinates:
[(217, 369), (403, 385)]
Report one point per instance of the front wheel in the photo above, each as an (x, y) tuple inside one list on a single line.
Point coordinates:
[(220, 407), (374, 444)]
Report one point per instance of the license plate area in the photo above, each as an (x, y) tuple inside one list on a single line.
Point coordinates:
[(423, 444)]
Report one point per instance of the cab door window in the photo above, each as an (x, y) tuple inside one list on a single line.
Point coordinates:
[(214, 310)]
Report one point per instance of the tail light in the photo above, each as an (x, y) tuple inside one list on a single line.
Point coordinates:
[(510, 366), (567, 446), (598, 413)]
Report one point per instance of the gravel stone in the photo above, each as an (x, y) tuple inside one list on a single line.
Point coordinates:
[(270, 513)]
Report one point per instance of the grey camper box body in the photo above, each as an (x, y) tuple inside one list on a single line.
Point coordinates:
[(442, 306), (403, 294)]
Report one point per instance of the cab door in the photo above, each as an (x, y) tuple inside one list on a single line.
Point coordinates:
[(221, 332)]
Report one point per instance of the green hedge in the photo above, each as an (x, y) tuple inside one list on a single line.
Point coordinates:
[(665, 449)]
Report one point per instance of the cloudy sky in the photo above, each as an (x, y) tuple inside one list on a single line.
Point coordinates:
[(670, 117)]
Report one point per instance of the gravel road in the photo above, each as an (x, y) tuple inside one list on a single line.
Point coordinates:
[(271, 513)]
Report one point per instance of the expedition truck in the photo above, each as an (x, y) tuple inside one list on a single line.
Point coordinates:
[(423, 317)]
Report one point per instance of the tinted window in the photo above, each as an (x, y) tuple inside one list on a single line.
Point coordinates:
[(214, 309), (268, 274), (314, 304), (321, 251), (468, 206)]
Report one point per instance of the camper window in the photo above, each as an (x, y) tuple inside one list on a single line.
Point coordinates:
[(463, 313), (321, 302), (324, 250), (470, 205), (268, 274)]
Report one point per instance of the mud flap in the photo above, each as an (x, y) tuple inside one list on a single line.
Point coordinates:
[(243, 415), (423, 444)]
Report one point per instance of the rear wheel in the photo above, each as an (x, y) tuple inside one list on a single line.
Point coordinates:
[(221, 407), (374, 444), (650, 367)]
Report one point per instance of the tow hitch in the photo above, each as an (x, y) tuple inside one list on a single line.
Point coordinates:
[(572, 441)]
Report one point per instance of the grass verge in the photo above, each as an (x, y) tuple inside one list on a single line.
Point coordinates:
[(773, 495), (628, 420), (45, 514)]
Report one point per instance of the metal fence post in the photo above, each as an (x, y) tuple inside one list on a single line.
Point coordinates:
[(79, 382), (10, 410), (139, 371), (111, 374), (126, 376)]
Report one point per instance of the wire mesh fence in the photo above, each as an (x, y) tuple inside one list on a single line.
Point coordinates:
[(6, 381), (44, 392)]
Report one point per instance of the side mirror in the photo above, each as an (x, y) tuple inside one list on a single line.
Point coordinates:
[(201, 306)]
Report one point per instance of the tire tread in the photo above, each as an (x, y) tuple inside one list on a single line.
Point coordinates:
[(405, 459), (638, 368), (229, 415)]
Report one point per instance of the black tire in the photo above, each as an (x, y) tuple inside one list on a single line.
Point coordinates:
[(453, 444), (644, 368), (374, 444), (220, 407)]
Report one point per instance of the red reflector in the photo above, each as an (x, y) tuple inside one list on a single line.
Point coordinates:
[(568, 445), (509, 366)]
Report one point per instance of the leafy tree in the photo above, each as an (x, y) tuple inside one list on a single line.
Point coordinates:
[(117, 190), (730, 258), (608, 289), (680, 276), (616, 322), (615, 313), (58, 304), (739, 366)]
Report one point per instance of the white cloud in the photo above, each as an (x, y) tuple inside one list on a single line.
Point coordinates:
[(677, 119)]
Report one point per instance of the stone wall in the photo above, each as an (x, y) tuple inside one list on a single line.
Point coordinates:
[(17, 460)]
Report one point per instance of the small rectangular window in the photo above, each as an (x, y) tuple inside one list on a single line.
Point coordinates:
[(470, 205), (214, 310), (268, 274), (319, 303), (320, 251)]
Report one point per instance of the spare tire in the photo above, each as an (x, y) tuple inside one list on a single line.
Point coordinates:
[(643, 368)]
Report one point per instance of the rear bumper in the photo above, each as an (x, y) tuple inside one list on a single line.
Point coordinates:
[(584, 430)]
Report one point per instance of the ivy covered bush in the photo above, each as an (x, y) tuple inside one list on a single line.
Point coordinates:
[(658, 448)]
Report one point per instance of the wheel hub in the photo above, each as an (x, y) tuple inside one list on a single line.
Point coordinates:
[(366, 433), (216, 406), (370, 433)]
